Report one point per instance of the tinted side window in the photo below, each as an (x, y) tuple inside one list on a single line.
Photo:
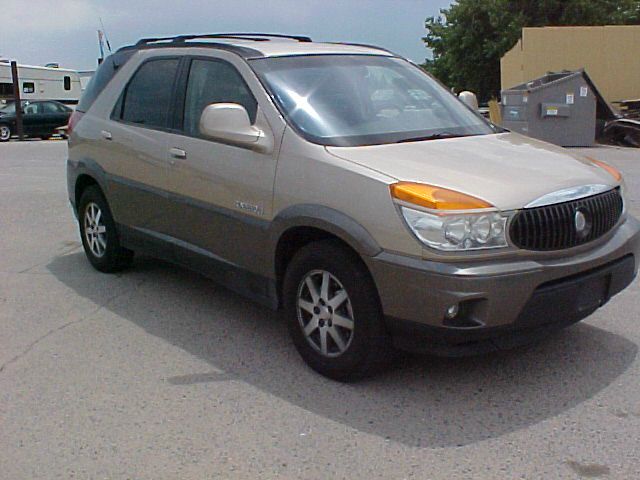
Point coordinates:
[(67, 83), (31, 109), (28, 87), (149, 93), (47, 107), (214, 82), (106, 71)]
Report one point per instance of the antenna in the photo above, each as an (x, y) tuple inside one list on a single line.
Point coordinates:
[(101, 59), (104, 32)]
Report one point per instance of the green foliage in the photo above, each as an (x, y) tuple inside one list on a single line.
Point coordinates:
[(469, 38)]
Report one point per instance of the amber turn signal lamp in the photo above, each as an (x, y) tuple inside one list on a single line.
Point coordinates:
[(435, 198), (613, 171)]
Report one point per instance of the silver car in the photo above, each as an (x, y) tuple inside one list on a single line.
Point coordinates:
[(344, 186)]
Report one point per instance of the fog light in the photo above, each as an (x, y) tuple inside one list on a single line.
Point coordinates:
[(452, 311)]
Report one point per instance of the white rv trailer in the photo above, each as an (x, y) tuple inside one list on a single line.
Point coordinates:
[(41, 83)]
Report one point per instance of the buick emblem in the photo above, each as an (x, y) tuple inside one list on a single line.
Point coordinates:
[(581, 223)]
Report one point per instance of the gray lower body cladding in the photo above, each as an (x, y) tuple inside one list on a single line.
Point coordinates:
[(499, 304), (496, 299)]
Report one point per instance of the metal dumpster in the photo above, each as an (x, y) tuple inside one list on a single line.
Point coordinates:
[(559, 108)]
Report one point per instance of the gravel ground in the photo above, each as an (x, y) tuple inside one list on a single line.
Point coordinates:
[(159, 373)]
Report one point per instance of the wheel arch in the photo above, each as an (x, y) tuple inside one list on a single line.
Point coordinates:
[(83, 181), (81, 174), (300, 225)]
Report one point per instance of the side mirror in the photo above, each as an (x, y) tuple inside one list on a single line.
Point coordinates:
[(229, 122), (470, 99)]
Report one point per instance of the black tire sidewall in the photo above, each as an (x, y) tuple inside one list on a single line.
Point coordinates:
[(114, 256), (369, 336)]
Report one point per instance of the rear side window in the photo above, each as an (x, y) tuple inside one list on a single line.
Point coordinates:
[(48, 107), (51, 107), (147, 99), (67, 83), (213, 81), (102, 77)]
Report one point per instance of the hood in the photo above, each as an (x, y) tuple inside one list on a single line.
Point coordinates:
[(508, 170)]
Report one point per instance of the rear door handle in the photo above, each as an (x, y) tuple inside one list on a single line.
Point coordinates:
[(106, 135), (177, 153)]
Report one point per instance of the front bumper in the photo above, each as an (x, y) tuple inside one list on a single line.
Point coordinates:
[(501, 303)]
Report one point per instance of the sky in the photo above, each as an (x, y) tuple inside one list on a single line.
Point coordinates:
[(64, 31)]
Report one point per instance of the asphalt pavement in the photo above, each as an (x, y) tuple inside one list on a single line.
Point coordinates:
[(159, 373)]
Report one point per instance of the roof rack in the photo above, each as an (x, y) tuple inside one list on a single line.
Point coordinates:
[(365, 45), (256, 37)]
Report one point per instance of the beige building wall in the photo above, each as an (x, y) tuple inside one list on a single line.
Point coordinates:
[(609, 54)]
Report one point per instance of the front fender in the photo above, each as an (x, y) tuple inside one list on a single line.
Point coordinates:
[(327, 219)]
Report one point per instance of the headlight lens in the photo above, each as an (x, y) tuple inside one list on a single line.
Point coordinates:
[(460, 231)]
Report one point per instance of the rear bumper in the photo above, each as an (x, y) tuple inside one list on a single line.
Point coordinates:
[(502, 303)]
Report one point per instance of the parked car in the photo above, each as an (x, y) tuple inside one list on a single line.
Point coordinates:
[(343, 185), (39, 119)]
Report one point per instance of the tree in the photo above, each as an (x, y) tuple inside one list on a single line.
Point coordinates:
[(469, 38)]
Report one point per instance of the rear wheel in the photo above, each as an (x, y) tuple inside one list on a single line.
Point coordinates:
[(5, 133), (333, 312), (98, 232)]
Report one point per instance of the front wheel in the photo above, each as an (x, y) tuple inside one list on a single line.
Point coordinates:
[(333, 312), (5, 133), (99, 235)]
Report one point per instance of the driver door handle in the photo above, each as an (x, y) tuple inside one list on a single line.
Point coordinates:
[(177, 153), (106, 135)]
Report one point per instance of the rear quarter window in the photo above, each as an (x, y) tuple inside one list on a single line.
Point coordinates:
[(105, 72)]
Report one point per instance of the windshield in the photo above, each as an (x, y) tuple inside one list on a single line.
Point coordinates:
[(10, 107), (351, 100)]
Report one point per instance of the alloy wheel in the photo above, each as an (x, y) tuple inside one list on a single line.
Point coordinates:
[(5, 133), (325, 313), (95, 231)]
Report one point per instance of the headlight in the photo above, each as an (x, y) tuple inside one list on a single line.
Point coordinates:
[(445, 225), (458, 232)]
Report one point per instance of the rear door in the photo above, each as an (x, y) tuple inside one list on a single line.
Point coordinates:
[(135, 143), (53, 116)]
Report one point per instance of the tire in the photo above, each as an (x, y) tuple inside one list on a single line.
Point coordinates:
[(5, 133), (99, 234), (359, 351)]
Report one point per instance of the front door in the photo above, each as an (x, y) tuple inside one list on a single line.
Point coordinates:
[(31, 119), (221, 194)]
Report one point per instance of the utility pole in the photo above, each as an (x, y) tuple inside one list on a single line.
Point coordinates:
[(16, 97)]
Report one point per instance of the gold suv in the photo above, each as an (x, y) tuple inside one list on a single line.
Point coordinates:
[(343, 185)]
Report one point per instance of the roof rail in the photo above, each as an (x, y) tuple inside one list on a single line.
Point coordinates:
[(256, 37), (366, 45)]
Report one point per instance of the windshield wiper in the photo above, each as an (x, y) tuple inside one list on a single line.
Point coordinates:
[(434, 136)]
